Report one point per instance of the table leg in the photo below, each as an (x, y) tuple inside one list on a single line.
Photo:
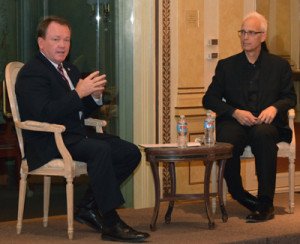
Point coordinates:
[(173, 192), (155, 173), (220, 189), (208, 166)]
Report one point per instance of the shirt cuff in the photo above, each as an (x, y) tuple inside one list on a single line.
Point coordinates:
[(98, 101)]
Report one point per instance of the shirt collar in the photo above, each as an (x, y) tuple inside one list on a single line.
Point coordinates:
[(257, 62), (54, 64)]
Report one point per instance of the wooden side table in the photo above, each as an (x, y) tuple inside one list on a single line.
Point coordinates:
[(218, 153)]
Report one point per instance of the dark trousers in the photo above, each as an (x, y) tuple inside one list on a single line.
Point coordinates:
[(110, 161), (262, 139)]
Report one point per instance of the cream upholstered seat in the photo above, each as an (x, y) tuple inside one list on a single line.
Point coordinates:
[(65, 167), (285, 150)]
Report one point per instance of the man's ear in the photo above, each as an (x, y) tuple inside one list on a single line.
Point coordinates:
[(263, 36), (40, 42)]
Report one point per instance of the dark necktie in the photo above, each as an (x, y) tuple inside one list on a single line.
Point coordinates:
[(60, 70)]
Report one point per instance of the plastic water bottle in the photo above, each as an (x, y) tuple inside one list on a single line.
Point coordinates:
[(182, 132), (209, 129)]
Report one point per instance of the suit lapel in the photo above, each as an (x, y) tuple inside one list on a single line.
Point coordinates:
[(70, 72), (241, 68), (265, 70), (54, 71)]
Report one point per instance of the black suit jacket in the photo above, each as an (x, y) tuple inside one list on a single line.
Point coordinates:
[(228, 92), (43, 95)]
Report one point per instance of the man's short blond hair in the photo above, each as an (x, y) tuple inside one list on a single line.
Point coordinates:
[(261, 18)]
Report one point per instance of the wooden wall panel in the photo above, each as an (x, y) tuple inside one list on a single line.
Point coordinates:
[(231, 15), (190, 41)]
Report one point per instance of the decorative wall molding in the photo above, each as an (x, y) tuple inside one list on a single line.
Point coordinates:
[(166, 86), (166, 71)]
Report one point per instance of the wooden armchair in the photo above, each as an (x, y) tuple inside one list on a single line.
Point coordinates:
[(65, 167)]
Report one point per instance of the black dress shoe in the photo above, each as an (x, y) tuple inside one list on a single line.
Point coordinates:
[(249, 201), (123, 233), (260, 216), (90, 217)]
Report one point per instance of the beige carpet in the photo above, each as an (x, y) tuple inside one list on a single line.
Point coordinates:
[(189, 225)]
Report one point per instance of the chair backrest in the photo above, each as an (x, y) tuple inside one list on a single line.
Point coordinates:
[(11, 71)]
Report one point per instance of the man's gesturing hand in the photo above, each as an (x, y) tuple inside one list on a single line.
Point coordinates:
[(92, 84)]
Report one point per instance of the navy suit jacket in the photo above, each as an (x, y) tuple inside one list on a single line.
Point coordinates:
[(228, 92), (43, 95)]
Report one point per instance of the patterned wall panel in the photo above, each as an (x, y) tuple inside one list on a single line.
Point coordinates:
[(166, 81)]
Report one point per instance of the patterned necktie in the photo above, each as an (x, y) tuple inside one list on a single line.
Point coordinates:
[(60, 70)]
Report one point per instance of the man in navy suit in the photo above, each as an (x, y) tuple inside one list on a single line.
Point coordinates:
[(50, 89), (251, 93)]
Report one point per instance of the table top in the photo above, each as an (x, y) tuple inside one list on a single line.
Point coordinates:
[(216, 152)]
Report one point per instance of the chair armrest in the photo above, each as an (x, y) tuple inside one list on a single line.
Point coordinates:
[(291, 116), (97, 123), (40, 126), (57, 130)]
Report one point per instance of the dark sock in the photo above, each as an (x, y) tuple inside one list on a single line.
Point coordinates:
[(111, 218)]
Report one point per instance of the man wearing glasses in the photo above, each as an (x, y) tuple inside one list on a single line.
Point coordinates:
[(251, 93)]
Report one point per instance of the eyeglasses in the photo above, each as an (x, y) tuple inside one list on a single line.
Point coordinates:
[(249, 33)]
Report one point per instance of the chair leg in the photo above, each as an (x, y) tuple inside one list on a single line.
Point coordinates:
[(22, 192), (70, 201), (47, 185), (291, 185)]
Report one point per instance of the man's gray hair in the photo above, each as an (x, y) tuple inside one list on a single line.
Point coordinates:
[(261, 18)]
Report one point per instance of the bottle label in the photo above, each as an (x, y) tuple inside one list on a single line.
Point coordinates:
[(182, 128), (209, 124), (209, 129)]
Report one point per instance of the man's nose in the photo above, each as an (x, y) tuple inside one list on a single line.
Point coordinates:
[(246, 35), (61, 43)]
